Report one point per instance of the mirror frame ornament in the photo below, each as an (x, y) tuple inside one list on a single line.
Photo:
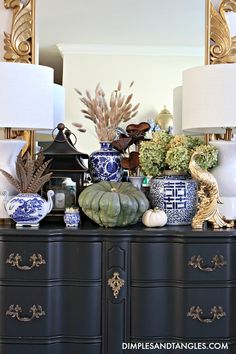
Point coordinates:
[(220, 44), (19, 46)]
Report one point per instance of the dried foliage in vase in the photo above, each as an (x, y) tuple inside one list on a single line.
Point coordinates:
[(107, 116), (31, 174)]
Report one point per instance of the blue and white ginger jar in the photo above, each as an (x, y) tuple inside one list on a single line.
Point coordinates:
[(28, 209), (177, 196), (105, 164), (71, 218)]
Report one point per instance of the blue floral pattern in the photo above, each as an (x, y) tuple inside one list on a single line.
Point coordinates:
[(104, 164), (71, 219)]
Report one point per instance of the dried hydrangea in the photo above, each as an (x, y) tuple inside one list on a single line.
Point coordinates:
[(169, 152), (208, 158)]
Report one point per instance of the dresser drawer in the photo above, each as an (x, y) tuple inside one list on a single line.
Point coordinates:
[(52, 260), (71, 310), (171, 312), (182, 262), (62, 346)]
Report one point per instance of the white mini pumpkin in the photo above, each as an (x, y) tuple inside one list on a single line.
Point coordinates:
[(154, 218)]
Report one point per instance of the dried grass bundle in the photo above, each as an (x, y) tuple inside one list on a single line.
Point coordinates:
[(107, 116)]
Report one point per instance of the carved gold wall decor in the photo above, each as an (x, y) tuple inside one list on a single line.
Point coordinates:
[(116, 284), (208, 194), (20, 43), (196, 313), (222, 43)]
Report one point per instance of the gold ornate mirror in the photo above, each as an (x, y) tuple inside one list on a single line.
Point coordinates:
[(220, 39), (20, 43)]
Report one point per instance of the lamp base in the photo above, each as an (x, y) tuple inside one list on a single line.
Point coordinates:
[(228, 208), (225, 174), (9, 151)]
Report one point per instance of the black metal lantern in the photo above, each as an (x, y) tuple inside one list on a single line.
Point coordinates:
[(68, 170)]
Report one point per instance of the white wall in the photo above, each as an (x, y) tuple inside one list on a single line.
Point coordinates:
[(154, 77)]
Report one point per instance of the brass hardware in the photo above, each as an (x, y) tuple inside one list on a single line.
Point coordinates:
[(14, 312), (196, 313), (116, 284), (36, 259), (208, 197), (197, 262)]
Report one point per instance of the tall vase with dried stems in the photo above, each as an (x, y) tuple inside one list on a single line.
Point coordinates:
[(105, 164)]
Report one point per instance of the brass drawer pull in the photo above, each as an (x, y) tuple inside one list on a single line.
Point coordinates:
[(197, 262), (116, 284), (14, 312), (196, 313), (36, 260)]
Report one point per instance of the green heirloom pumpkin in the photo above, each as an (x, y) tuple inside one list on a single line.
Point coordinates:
[(113, 204)]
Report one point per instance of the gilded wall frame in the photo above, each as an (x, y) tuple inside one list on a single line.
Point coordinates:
[(220, 44), (19, 45)]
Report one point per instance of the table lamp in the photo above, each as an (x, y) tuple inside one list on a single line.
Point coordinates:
[(177, 111), (58, 109), (209, 106), (26, 102)]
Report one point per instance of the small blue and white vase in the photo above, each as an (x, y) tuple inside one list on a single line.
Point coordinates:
[(177, 196), (71, 218), (105, 164)]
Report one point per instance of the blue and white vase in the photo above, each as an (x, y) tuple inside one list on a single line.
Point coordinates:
[(177, 196), (28, 209), (71, 218), (104, 164)]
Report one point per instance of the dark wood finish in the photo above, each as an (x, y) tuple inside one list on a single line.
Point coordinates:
[(83, 315)]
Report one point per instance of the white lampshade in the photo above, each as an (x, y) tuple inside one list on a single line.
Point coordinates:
[(177, 111), (209, 104), (26, 96), (58, 108)]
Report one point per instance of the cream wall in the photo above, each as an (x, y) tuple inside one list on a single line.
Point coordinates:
[(154, 77)]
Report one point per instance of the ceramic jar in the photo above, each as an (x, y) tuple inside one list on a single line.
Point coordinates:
[(72, 218), (104, 164), (136, 181), (177, 196), (28, 209)]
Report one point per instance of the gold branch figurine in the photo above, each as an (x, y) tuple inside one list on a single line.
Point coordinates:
[(208, 194)]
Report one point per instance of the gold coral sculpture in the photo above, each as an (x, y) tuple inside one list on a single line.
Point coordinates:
[(20, 43), (223, 45), (208, 195)]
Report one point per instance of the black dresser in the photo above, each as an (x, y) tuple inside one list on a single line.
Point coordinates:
[(101, 291)]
